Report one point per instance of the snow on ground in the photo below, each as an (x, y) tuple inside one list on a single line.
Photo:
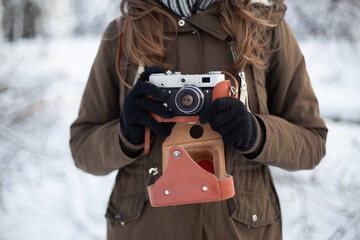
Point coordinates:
[(43, 195), (324, 203)]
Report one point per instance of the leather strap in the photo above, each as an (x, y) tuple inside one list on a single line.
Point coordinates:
[(118, 61), (147, 141), (181, 119), (118, 22)]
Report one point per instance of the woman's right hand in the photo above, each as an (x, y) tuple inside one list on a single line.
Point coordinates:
[(137, 106)]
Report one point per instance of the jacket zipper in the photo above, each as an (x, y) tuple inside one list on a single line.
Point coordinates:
[(244, 96)]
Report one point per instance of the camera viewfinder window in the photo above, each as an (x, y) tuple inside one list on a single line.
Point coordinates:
[(206, 80)]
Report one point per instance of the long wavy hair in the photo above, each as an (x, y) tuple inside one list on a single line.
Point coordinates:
[(143, 30)]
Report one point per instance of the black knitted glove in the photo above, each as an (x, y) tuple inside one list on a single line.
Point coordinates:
[(233, 121), (135, 115)]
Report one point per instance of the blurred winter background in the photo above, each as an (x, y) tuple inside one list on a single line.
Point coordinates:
[(46, 51)]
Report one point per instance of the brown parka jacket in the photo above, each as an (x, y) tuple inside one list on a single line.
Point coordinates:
[(281, 97)]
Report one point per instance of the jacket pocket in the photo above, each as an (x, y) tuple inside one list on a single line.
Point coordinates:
[(122, 209), (253, 209)]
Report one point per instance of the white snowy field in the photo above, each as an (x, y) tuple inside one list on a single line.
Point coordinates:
[(43, 196)]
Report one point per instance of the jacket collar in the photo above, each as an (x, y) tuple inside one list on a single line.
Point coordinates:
[(207, 21)]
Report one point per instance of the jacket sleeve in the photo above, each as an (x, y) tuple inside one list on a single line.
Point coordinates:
[(95, 141), (295, 134)]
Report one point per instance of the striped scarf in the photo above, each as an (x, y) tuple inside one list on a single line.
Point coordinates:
[(186, 8)]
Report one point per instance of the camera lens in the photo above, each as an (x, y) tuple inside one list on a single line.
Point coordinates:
[(189, 99)]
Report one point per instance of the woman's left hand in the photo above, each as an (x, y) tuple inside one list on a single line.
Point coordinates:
[(237, 126)]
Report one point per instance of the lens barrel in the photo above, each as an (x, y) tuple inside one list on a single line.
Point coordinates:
[(189, 99)]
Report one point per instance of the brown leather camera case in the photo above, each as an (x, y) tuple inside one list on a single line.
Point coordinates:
[(183, 181)]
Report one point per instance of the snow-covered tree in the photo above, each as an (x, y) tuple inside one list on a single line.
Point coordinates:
[(1, 26), (56, 20), (325, 18), (19, 18), (51, 18), (92, 18)]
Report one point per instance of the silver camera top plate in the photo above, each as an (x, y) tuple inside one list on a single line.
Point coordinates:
[(178, 80)]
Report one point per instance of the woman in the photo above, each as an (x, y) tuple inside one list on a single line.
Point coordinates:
[(284, 128)]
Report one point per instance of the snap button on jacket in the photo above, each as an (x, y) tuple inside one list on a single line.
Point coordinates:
[(281, 96)]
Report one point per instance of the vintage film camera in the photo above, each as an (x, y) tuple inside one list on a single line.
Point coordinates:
[(193, 158), (189, 94)]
